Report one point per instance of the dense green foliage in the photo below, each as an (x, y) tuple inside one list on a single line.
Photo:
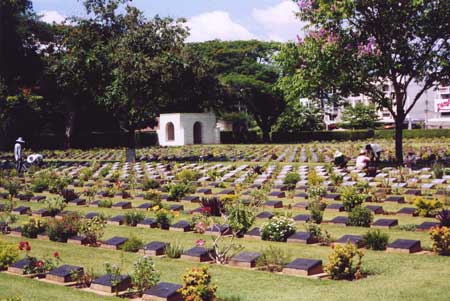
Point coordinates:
[(360, 116)]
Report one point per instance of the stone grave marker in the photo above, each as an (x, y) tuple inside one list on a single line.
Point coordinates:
[(104, 284), (64, 273), (155, 248), (163, 291), (404, 246), (303, 267), (245, 259), (301, 237), (197, 254), (114, 243), (384, 223), (181, 226)]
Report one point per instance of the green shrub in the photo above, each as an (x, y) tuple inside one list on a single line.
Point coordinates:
[(408, 227), (273, 259), (291, 180), (174, 250), (314, 179), (197, 285), (39, 184), (344, 262), (92, 229), (105, 203), (316, 209), (144, 274), (336, 179), (351, 198), (178, 191), (315, 193), (61, 230), (153, 195), (187, 175), (55, 204), (440, 236), (150, 184), (133, 244), (132, 218), (12, 187), (85, 174), (376, 239), (279, 228), (240, 218), (33, 227), (438, 171), (57, 184), (163, 218), (360, 217), (8, 254), (427, 208), (323, 237), (104, 171)]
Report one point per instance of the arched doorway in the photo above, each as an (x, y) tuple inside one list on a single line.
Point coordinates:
[(197, 133), (170, 132)]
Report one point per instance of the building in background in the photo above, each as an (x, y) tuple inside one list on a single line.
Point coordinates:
[(179, 129), (432, 109)]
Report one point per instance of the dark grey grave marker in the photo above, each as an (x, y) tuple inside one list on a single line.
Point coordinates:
[(163, 291), (155, 248), (245, 259), (304, 267), (404, 246), (301, 237), (385, 223)]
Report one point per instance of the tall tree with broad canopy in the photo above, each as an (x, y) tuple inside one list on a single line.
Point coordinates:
[(143, 60), (402, 41), (248, 74)]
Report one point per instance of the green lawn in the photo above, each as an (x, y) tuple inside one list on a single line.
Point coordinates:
[(392, 276)]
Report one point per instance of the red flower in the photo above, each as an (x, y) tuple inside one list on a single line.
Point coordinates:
[(206, 210), (24, 245), (56, 254), (39, 264)]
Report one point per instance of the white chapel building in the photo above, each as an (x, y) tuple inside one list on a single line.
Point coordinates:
[(176, 129)]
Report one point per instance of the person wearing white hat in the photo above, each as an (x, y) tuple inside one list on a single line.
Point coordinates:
[(18, 153), (340, 160)]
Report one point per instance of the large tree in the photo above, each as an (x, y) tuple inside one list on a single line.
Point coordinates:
[(249, 75), (404, 42), (21, 66), (144, 59)]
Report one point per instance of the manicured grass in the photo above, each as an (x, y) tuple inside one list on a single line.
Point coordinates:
[(391, 276)]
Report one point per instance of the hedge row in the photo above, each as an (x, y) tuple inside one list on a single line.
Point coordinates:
[(321, 136), (111, 140), (84, 141), (419, 133)]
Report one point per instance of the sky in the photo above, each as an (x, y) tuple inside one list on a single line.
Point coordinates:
[(269, 20)]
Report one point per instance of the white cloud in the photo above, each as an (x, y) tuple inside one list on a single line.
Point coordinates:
[(51, 16), (216, 25), (279, 21)]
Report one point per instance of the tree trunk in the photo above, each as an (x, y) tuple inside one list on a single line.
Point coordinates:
[(131, 138), (399, 142), (265, 135), (399, 119), (69, 128)]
